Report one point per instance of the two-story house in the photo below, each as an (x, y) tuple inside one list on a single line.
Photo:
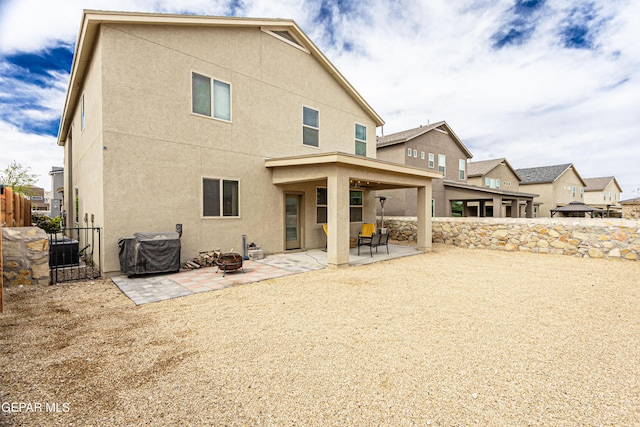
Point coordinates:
[(557, 186), (229, 126), (437, 148), (498, 174), (604, 193)]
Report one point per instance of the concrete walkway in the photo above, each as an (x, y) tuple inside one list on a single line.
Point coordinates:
[(158, 287)]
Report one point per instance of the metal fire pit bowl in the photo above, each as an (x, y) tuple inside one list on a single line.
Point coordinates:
[(229, 262)]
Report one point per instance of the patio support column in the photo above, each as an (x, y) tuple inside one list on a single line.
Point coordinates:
[(338, 218), (465, 208), (424, 232), (497, 207), (515, 208), (529, 208), (481, 209)]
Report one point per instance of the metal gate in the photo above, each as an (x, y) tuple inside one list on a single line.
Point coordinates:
[(74, 254)]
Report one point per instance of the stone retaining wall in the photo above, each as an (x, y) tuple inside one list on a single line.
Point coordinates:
[(25, 256), (584, 237)]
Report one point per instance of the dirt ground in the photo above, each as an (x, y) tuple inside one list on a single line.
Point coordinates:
[(452, 337)]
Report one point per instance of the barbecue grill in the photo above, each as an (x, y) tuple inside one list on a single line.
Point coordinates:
[(146, 253)]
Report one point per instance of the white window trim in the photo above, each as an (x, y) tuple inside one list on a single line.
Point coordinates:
[(221, 179), (422, 155), (432, 161), (462, 167), (213, 79), (444, 166), (360, 140), (310, 127), (409, 151)]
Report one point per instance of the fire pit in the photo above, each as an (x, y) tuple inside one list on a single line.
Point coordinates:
[(229, 262)]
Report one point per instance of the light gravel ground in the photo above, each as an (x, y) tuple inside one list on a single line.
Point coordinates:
[(455, 337)]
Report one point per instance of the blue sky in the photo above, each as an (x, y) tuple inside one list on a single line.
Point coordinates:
[(539, 82)]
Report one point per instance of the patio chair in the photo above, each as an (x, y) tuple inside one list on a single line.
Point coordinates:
[(377, 239), (366, 235), (326, 235)]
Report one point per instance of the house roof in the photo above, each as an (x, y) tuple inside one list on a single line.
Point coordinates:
[(483, 167), (285, 29), (599, 184), (635, 201), (408, 135), (545, 174), (576, 207)]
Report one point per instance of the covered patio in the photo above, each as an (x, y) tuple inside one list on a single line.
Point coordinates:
[(340, 173), (475, 201)]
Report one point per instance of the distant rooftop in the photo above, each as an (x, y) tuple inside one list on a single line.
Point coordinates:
[(542, 174)]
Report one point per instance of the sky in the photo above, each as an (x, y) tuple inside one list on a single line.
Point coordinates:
[(538, 82)]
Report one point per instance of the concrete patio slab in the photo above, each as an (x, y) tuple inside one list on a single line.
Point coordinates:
[(159, 287)]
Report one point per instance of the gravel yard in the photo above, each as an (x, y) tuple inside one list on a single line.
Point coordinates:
[(452, 337)]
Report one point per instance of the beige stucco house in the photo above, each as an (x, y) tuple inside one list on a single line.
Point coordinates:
[(228, 126), (557, 186), (604, 193), (437, 148)]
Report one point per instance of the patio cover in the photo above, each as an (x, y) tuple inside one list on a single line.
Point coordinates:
[(341, 171), (577, 208)]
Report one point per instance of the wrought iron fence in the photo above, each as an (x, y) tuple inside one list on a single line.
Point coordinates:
[(74, 254)]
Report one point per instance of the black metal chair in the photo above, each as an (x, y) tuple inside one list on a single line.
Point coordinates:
[(376, 239)]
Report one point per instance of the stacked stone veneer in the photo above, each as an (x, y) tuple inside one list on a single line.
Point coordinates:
[(25, 256), (585, 237)]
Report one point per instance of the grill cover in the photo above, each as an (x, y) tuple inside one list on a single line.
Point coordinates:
[(150, 253)]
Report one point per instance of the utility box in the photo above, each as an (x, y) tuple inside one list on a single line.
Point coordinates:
[(63, 252)]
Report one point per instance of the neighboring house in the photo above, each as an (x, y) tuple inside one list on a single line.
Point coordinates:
[(57, 183), (497, 174), (631, 208), (36, 195), (437, 148), (604, 193), (557, 186), (229, 126)]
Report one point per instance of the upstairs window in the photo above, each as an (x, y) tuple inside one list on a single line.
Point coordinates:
[(432, 160), (310, 127), (361, 140), (220, 197), (210, 97), (492, 182), (462, 164), (442, 161)]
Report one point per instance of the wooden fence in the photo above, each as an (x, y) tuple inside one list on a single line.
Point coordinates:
[(16, 209)]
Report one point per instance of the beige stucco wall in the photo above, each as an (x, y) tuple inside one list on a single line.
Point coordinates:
[(157, 152), (596, 198), (501, 172), (83, 155)]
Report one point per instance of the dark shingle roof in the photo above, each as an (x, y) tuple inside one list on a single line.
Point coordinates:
[(541, 174)]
